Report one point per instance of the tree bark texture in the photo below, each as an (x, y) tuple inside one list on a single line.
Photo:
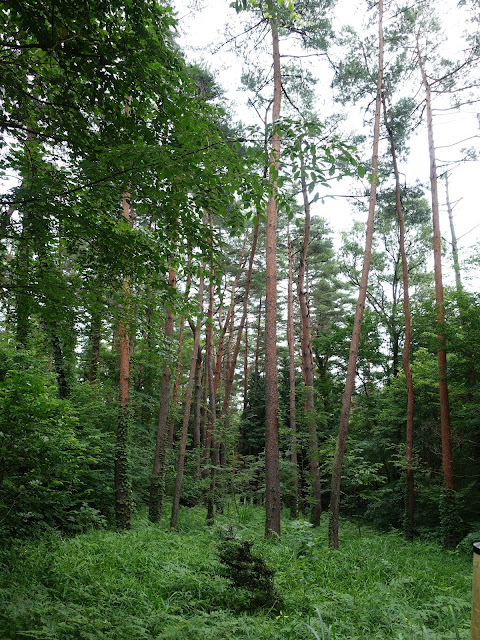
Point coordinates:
[(291, 369), (257, 347), (157, 488), (212, 415), (223, 329), (272, 473), (447, 461), (357, 326), (233, 361), (171, 425), (122, 480), (197, 405), (245, 371), (456, 263), (410, 520), (186, 415), (307, 361)]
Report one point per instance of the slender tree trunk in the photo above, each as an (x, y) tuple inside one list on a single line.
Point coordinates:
[(245, 370), (456, 263), (292, 404), (23, 305), (197, 406), (393, 329), (204, 432), (357, 326), (186, 415), (233, 360), (230, 312), (469, 353), (122, 480), (171, 425), (22, 299), (307, 361), (442, 352), (95, 337), (211, 457), (257, 347), (58, 360), (158, 473), (410, 520), (272, 473)]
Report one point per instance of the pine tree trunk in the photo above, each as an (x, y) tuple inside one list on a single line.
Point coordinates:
[(197, 405), (122, 479), (233, 361), (204, 432), (307, 362), (158, 473), (272, 473), (410, 520), (447, 462), (456, 263), (256, 371), (357, 326), (221, 341), (211, 457), (171, 425), (186, 416), (245, 370), (292, 403)]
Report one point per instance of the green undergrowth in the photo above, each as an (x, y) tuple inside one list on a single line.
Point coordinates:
[(151, 583)]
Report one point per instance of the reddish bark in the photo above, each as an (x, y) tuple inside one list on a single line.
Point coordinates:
[(233, 360), (177, 369), (211, 448), (257, 347), (362, 294), (122, 482), (157, 479), (447, 462), (272, 473), (197, 405), (307, 361), (245, 371), (408, 335), (292, 404), (186, 415), (226, 324)]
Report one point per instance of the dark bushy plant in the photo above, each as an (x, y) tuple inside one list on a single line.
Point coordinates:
[(248, 572)]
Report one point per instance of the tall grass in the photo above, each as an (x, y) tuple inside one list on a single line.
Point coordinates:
[(150, 583)]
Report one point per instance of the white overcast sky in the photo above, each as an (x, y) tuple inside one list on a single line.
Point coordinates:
[(202, 26)]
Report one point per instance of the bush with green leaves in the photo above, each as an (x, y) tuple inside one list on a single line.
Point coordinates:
[(42, 461)]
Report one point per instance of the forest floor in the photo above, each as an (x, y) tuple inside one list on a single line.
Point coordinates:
[(154, 584)]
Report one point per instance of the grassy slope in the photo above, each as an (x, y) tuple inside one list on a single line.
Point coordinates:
[(151, 583)]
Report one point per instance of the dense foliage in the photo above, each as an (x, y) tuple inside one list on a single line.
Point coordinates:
[(151, 583), (133, 241)]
